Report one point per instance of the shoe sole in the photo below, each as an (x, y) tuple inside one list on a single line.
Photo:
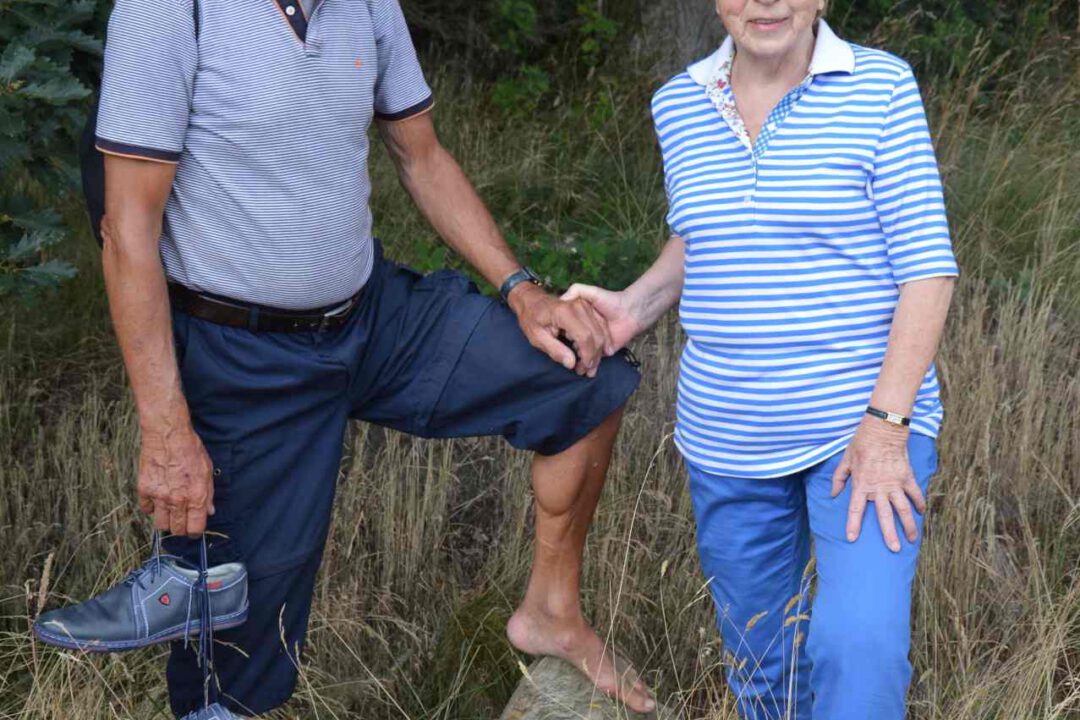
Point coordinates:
[(106, 646)]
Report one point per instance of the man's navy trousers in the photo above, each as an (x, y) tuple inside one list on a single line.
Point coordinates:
[(426, 355)]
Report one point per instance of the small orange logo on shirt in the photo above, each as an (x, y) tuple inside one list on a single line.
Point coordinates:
[(359, 63)]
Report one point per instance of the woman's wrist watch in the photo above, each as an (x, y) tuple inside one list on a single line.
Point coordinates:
[(889, 417), (525, 274)]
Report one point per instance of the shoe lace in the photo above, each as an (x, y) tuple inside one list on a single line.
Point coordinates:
[(201, 589), (152, 567), (206, 632), (205, 651)]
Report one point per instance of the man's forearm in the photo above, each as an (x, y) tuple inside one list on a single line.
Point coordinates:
[(175, 482), (449, 202), (917, 327), (451, 205), (139, 304)]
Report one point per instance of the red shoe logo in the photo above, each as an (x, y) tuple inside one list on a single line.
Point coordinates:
[(165, 599)]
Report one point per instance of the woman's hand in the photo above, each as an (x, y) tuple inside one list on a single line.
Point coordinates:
[(637, 308), (624, 321), (880, 471)]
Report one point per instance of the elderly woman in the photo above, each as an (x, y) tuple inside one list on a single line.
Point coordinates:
[(811, 255)]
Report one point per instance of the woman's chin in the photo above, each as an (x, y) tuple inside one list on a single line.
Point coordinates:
[(770, 47)]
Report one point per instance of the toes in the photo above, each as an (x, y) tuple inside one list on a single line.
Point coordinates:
[(636, 695), (641, 704)]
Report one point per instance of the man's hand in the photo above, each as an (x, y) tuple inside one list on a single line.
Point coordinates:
[(545, 318), (880, 471), (176, 481)]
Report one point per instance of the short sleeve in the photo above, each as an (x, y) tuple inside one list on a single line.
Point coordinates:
[(400, 89), (657, 123), (907, 192), (150, 59)]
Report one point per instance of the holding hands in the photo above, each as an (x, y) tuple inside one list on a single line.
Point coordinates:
[(632, 311), (572, 333), (582, 327), (617, 309)]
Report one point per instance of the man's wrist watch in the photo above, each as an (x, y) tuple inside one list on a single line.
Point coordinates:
[(525, 274), (889, 417)]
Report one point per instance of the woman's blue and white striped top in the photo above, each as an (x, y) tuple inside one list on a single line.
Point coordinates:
[(795, 252)]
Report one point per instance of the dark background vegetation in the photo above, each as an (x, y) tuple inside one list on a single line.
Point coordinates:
[(530, 58)]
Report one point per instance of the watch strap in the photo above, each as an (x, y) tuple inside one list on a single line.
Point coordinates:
[(525, 274), (889, 417)]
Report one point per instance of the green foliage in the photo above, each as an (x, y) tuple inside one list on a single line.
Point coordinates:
[(571, 37), (939, 37), (589, 253), (42, 106), (497, 37), (515, 25), (597, 33), (520, 95), (553, 67)]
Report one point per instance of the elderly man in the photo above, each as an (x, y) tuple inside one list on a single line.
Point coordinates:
[(260, 315)]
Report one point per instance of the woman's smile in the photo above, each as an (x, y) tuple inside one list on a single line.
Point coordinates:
[(768, 25)]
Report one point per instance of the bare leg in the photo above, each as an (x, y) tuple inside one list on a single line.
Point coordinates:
[(549, 621)]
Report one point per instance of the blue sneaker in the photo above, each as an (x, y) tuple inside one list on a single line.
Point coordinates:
[(213, 712), (161, 601)]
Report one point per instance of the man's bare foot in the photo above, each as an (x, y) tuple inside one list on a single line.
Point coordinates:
[(572, 640)]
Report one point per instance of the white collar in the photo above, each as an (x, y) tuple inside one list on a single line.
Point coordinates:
[(831, 54)]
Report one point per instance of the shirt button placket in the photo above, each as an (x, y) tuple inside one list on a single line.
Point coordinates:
[(751, 196)]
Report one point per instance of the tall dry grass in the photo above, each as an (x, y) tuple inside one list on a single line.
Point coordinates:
[(431, 542)]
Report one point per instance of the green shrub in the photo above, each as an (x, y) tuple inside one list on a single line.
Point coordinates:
[(520, 95), (42, 106), (939, 36), (596, 31)]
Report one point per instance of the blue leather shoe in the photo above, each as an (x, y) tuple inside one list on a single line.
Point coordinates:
[(161, 601), (213, 712)]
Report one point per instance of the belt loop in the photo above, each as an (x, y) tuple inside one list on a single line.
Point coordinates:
[(253, 319)]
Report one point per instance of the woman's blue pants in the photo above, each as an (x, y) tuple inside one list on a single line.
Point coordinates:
[(754, 538)]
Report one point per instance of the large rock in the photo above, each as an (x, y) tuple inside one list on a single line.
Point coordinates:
[(555, 690)]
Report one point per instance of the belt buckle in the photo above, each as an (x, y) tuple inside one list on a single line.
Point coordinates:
[(334, 313)]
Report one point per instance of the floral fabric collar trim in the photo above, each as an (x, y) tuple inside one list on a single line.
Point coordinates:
[(831, 55), (718, 89)]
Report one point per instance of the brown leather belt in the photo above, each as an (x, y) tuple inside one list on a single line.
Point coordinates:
[(258, 318)]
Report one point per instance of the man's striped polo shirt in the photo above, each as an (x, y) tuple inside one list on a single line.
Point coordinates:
[(795, 254), (266, 112)]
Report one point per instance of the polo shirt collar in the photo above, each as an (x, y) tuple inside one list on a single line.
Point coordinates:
[(831, 54)]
